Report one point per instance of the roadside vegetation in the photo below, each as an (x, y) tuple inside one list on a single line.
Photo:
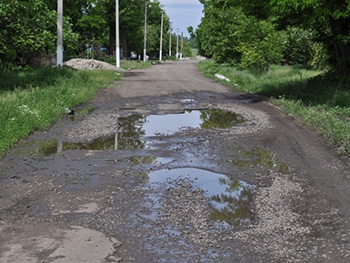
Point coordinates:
[(34, 99), (258, 45), (297, 53), (89, 30), (319, 99), (129, 64)]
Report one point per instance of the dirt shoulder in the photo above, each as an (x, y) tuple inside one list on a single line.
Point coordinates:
[(97, 187)]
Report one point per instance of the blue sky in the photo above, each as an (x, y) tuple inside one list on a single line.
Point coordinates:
[(183, 13)]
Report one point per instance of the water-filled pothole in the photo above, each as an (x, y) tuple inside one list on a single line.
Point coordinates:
[(229, 199), (172, 123), (133, 130)]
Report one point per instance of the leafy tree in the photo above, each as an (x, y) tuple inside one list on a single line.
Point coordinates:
[(73, 9), (330, 20), (216, 34), (28, 31), (25, 30), (192, 40), (154, 27), (132, 15), (191, 31), (259, 43), (305, 27), (298, 46), (228, 34), (93, 31), (28, 28)]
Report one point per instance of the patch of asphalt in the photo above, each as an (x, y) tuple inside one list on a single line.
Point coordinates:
[(169, 221), (63, 245)]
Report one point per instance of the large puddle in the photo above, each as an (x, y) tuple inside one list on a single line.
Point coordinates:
[(134, 130), (172, 123), (230, 199)]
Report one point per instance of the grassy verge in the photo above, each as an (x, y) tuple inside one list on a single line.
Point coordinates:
[(130, 64), (318, 99), (36, 98)]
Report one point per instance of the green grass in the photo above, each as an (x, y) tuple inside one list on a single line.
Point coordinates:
[(194, 52), (34, 99), (319, 99), (130, 64)]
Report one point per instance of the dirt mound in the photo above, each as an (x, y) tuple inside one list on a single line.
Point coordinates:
[(92, 64)]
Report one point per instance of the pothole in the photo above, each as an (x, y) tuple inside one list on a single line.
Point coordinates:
[(134, 131), (153, 125), (229, 199)]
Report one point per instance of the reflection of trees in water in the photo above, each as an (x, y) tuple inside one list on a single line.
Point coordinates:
[(131, 132), (134, 160), (232, 206), (98, 144), (258, 157), (144, 175), (218, 119)]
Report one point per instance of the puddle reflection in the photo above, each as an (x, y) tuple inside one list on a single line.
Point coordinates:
[(132, 131), (232, 205), (255, 157), (230, 199), (204, 119)]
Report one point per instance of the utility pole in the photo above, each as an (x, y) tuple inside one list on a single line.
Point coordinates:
[(177, 43), (117, 33), (182, 45), (170, 42), (161, 39), (145, 35), (59, 33)]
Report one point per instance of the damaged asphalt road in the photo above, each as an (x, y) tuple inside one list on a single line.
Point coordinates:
[(151, 170)]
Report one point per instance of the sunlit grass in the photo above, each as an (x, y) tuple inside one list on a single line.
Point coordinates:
[(319, 99), (35, 99)]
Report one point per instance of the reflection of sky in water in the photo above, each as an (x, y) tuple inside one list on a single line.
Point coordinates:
[(171, 123), (132, 131), (229, 197)]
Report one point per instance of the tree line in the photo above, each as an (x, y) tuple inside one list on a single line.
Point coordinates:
[(28, 28), (256, 34)]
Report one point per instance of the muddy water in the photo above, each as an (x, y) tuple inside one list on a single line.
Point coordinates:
[(229, 199), (134, 129)]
